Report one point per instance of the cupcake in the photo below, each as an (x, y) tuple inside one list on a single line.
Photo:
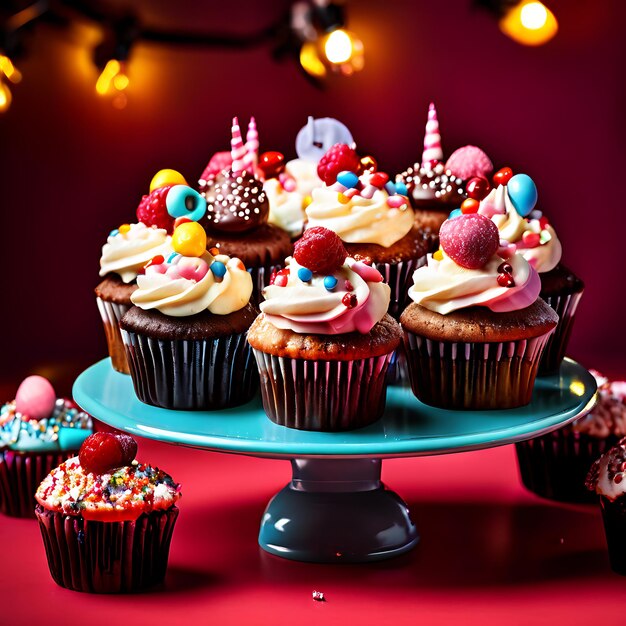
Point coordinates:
[(37, 432), (476, 329), (606, 478), (510, 204), (373, 219), (107, 520), (555, 465), (236, 218), (185, 336), (436, 188), (323, 340)]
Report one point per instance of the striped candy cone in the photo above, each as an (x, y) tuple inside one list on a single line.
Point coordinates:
[(252, 147), (432, 140), (237, 149)]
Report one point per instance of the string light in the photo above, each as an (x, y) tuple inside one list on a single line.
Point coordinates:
[(8, 72), (113, 81), (530, 23)]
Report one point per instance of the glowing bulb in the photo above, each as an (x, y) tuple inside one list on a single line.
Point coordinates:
[(112, 80), (530, 23), (9, 70), (5, 97), (338, 46)]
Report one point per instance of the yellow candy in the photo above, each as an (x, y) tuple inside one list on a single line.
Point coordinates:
[(189, 239), (124, 228), (343, 199), (306, 201), (438, 256), (166, 177)]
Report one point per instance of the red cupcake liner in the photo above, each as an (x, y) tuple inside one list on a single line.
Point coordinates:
[(107, 557), (111, 314), (555, 465), (473, 376), (399, 277), (565, 307), (205, 374), (323, 395), (20, 476), (614, 518)]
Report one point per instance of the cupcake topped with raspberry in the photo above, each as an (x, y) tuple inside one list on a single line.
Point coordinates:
[(608, 417)]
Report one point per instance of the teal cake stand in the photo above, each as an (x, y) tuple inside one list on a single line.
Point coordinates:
[(336, 509)]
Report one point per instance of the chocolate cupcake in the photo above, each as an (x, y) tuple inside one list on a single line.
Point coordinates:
[(323, 340), (476, 329), (236, 218), (185, 337), (37, 432), (555, 465), (107, 520), (511, 205)]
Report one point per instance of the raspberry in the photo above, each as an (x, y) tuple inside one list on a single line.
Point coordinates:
[(102, 452), (152, 210), (339, 158), (470, 240), (320, 250)]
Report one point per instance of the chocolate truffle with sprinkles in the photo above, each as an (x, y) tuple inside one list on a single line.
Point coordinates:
[(237, 213)]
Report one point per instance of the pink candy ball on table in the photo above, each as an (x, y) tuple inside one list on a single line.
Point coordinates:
[(35, 398)]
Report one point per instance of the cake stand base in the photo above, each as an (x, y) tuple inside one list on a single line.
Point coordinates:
[(337, 510)]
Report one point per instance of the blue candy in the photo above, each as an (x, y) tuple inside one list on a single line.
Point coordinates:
[(522, 193), (401, 188), (305, 274), (114, 232), (218, 269), (455, 213), (172, 256), (348, 179), (183, 201), (330, 282)]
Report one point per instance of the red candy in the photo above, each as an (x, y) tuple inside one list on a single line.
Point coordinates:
[(469, 205), (503, 176), (378, 179), (280, 278), (320, 250), (339, 158), (155, 260), (506, 280), (272, 163), (102, 452), (477, 188), (349, 300), (152, 210), (470, 240)]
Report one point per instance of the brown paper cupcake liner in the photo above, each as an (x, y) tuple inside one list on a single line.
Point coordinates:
[(323, 395), (399, 277), (565, 307), (107, 557), (20, 475), (451, 375), (614, 518), (555, 465), (111, 314), (191, 374)]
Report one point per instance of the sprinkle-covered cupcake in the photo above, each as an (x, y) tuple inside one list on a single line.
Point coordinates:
[(323, 340), (607, 479), (185, 336), (236, 218), (37, 432), (511, 205), (106, 519), (372, 217), (555, 465), (476, 329)]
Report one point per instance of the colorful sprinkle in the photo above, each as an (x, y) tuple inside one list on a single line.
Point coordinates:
[(155, 260), (401, 188), (124, 228), (469, 205), (282, 278), (214, 251), (306, 201), (530, 239), (378, 179), (114, 232), (348, 179), (455, 213), (330, 282), (218, 269), (348, 286), (305, 274), (395, 202), (438, 255), (342, 198), (172, 256), (349, 300), (544, 237), (390, 188)]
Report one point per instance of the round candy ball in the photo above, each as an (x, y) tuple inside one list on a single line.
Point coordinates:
[(470, 240), (166, 177), (35, 398), (522, 193), (189, 239)]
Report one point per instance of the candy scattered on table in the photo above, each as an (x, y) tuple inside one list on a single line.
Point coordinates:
[(318, 596)]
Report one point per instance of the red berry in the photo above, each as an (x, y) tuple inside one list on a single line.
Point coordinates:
[(272, 163), (470, 240), (477, 187), (152, 210), (320, 250), (339, 158), (503, 176), (349, 300), (102, 452), (505, 268), (506, 280)]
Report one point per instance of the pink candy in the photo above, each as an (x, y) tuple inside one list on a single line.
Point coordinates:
[(192, 268), (468, 162), (530, 239), (395, 202), (35, 398), (366, 272), (288, 183), (219, 161)]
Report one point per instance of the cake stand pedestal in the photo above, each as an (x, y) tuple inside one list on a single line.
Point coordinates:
[(336, 509)]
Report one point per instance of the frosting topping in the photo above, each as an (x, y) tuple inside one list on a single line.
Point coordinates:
[(286, 207), (608, 417), (606, 476), (130, 247)]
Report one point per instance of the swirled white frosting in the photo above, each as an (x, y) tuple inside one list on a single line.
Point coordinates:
[(126, 253), (181, 297), (443, 286), (360, 220), (310, 308), (305, 174), (286, 207)]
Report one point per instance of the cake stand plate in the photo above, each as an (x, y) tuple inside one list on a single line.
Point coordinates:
[(336, 508)]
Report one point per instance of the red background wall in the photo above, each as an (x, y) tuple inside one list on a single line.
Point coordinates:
[(72, 167)]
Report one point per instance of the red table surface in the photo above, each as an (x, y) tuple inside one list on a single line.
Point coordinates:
[(489, 551)]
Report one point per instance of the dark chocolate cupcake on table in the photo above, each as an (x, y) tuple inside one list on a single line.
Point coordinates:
[(373, 218), (185, 336), (236, 219), (511, 206), (555, 465), (324, 340), (107, 520), (476, 329)]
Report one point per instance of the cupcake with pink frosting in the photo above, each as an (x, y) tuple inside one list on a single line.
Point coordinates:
[(323, 340), (476, 329)]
